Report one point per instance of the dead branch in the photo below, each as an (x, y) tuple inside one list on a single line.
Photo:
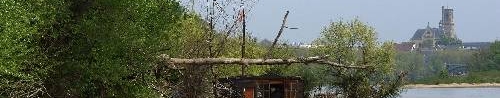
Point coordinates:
[(270, 52), (241, 61)]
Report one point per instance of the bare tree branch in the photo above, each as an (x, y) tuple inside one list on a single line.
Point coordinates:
[(241, 61), (270, 52)]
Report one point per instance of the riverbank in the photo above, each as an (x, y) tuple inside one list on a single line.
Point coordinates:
[(454, 85)]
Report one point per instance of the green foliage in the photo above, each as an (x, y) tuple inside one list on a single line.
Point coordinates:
[(413, 63), (106, 48), (421, 68), (354, 43), (495, 51), (483, 68), (23, 64), (313, 75), (81, 48), (486, 59), (232, 48), (453, 56), (118, 45), (436, 62), (445, 40)]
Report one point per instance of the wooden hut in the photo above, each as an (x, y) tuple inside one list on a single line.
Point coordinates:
[(267, 86)]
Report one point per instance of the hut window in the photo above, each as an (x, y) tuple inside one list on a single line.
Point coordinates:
[(263, 89)]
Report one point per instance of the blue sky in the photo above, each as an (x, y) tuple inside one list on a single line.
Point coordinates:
[(396, 20)]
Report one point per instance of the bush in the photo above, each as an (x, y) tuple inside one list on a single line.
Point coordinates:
[(84, 48)]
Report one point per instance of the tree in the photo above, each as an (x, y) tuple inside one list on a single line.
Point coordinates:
[(354, 43), (24, 64), (446, 40), (487, 59), (413, 63), (85, 48), (495, 50)]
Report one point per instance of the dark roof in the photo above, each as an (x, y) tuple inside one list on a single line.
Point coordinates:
[(405, 46), (244, 81), (267, 76), (264, 78), (438, 33)]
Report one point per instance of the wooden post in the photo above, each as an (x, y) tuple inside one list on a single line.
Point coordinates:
[(243, 67)]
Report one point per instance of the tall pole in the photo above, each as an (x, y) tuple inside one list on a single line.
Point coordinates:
[(211, 36), (243, 67), (211, 53)]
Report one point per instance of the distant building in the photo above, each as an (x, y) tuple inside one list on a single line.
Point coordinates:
[(476, 45), (431, 38), (405, 46), (309, 46), (304, 45), (447, 24), (426, 38)]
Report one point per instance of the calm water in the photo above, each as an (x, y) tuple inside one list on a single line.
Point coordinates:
[(451, 93)]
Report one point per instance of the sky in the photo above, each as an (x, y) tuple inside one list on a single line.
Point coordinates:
[(394, 20)]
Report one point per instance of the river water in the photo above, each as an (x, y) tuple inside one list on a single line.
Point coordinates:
[(451, 93)]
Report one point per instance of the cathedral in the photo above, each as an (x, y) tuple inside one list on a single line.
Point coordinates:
[(431, 38)]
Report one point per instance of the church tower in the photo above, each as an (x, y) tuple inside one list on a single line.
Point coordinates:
[(446, 24)]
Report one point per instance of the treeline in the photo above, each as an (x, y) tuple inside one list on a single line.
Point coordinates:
[(483, 65)]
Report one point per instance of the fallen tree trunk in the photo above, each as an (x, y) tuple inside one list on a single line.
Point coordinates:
[(211, 61)]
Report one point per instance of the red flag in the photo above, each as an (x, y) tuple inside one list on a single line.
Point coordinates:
[(241, 15)]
